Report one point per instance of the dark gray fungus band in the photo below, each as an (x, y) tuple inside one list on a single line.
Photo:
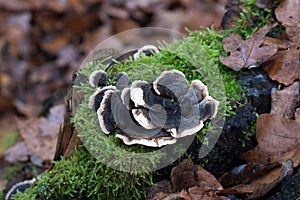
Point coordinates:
[(151, 114)]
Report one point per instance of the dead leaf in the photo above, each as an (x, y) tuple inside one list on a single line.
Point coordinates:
[(260, 185), (19, 5), (198, 193), (56, 113), (190, 182), (159, 190), (55, 43), (288, 14), (183, 175), (285, 68), (284, 102), (18, 152), (278, 140), (245, 174), (249, 53), (187, 175), (206, 180), (277, 135), (40, 136)]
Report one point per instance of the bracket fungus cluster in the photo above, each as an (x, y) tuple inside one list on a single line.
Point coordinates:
[(151, 114)]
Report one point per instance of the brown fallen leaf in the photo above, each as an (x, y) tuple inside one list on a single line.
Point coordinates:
[(187, 175), (285, 67), (18, 152), (278, 140), (288, 14), (40, 135), (183, 175), (262, 184), (19, 5), (159, 190), (190, 182), (284, 102), (198, 193), (246, 173), (277, 135), (247, 53)]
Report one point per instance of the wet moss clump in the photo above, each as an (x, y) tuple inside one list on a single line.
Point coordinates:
[(83, 177)]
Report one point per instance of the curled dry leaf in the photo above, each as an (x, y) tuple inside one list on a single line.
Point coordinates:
[(246, 173), (247, 53), (190, 182), (198, 193), (278, 139), (263, 179), (187, 175)]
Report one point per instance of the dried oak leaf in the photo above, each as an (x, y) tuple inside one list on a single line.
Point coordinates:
[(190, 182), (263, 179), (198, 193), (285, 67), (278, 139), (187, 175), (247, 53)]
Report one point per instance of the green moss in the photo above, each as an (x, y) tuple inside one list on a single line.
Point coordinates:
[(253, 17), (85, 177)]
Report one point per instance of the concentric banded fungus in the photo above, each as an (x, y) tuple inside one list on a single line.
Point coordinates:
[(126, 100), (153, 114), (141, 115), (148, 50), (96, 98), (105, 116), (98, 78), (122, 80), (137, 90), (162, 138), (171, 84)]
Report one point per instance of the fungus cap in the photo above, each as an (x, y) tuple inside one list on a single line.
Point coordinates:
[(98, 78), (96, 98), (171, 84), (105, 116), (148, 50)]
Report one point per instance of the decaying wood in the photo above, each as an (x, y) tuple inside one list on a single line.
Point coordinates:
[(68, 140)]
